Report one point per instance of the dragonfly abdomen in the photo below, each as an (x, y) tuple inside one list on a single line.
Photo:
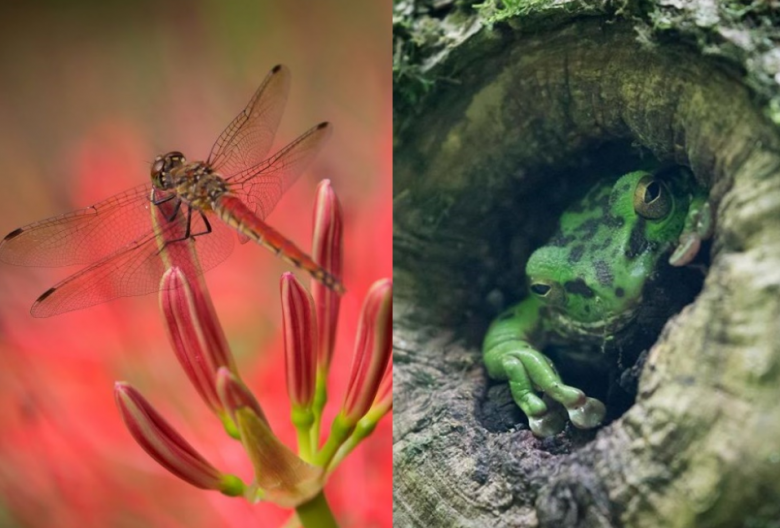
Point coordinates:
[(235, 213)]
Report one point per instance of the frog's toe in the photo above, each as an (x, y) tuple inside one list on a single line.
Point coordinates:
[(687, 249), (550, 423), (588, 415), (699, 226)]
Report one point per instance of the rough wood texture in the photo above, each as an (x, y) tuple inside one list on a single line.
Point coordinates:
[(481, 171)]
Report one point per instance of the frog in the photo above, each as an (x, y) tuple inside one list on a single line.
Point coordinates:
[(590, 283)]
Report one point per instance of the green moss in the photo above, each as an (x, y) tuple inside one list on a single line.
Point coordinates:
[(418, 33), (743, 34), (493, 11), (410, 84)]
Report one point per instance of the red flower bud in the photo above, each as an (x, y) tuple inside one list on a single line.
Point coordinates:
[(373, 348), (327, 252), (300, 340), (164, 444), (383, 401), (195, 333)]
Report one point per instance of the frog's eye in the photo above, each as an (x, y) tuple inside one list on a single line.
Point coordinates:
[(651, 198), (547, 291)]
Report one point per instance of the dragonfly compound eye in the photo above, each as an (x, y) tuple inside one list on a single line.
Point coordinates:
[(157, 166), (157, 172), (173, 159)]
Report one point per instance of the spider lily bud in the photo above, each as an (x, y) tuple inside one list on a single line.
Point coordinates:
[(300, 341), (382, 404), (383, 401), (370, 366), (327, 252), (167, 447), (372, 351), (195, 333), (235, 395)]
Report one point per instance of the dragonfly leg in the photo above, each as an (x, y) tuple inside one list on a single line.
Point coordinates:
[(186, 230), (175, 212), (189, 222), (161, 201), (205, 221)]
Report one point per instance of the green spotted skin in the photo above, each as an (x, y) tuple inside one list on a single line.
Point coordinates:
[(587, 283)]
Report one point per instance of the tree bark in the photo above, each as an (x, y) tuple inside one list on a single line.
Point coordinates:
[(494, 124)]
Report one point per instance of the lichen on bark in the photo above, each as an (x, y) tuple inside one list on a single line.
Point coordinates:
[(484, 160)]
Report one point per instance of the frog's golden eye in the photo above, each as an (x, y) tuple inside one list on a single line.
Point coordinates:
[(550, 292), (651, 198)]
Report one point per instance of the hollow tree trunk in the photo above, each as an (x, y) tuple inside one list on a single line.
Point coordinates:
[(493, 124)]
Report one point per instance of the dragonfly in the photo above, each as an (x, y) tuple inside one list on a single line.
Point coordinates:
[(200, 205)]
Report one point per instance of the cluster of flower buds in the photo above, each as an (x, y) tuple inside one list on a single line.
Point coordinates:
[(281, 476)]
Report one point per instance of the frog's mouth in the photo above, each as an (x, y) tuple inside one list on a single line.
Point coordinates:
[(665, 292), (604, 328)]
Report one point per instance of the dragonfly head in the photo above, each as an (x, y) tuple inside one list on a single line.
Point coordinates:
[(162, 168)]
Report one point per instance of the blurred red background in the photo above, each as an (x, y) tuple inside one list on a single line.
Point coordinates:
[(91, 91)]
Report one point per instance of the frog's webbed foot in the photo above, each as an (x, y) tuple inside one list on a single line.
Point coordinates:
[(527, 371), (698, 227)]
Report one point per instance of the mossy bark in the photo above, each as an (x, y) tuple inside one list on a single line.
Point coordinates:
[(484, 160)]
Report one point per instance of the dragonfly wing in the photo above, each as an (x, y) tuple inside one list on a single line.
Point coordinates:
[(248, 138), (262, 186), (82, 236), (137, 268), (132, 270)]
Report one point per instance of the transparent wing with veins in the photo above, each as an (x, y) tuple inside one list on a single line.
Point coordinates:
[(262, 186), (82, 236), (239, 153), (137, 268), (248, 138)]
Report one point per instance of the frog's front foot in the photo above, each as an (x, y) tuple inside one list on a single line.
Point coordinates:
[(528, 370), (586, 416), (698, 226), (550, 423)]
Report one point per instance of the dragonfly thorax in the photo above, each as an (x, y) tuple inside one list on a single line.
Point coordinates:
[(198, 185)]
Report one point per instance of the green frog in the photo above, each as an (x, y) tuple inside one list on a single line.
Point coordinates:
[(590, 284)]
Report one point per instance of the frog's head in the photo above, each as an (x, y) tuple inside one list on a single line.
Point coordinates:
[(592, 272)]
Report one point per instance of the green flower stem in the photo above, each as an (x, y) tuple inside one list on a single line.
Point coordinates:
[(320, 399), (316, 513), (303, 420), (364, 428), (339, 432)]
